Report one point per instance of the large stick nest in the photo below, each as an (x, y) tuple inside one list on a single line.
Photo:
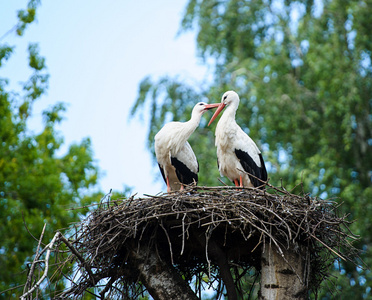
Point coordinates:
[(180, 225)]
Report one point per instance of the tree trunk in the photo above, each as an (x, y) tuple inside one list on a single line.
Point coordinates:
[(160, 277), (217, 253), (220, 258), (282, 278)]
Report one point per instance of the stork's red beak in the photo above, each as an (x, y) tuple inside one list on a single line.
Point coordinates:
[(210, 106), (221, 106)]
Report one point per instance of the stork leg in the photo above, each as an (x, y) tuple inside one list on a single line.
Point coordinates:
[(239, 183), (168, 186), (182, 187)]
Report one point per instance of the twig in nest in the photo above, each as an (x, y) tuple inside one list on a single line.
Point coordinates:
[(36, 258), (29, 232), (220, 180), (169, 241), (46, 268), (80, 257)]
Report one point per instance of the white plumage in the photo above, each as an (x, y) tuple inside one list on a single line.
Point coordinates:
[(236, 151), (176, 159)]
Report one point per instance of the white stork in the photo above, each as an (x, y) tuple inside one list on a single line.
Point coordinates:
[(236, 151), (177, 162)]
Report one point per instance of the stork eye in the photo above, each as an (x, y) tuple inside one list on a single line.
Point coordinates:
[(224, 98)]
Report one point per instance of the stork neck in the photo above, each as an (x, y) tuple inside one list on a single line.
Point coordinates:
[(230, 112), (184, 133), (192, 124)]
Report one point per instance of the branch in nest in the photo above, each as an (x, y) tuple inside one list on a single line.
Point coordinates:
[(46, 262), (37, 255)]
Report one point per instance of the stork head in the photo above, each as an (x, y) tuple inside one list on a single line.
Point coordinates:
[(201, 107), (228, 98)]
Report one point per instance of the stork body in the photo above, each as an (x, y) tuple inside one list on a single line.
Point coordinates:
[(176, 159), (237, 153)]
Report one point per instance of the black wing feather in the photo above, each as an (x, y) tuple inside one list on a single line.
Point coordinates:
[(263, 169), (184, 174), (162, 173), (251, 167)]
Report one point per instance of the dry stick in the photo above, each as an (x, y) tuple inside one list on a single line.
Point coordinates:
[(220, 180), (24, 223), (170, 245), (12, 288), (213, 223), (276, 215), (268, 234), (259, 242), (329, 248), (60, 266), (163, 215), (77, 254), (183, 233), (228, 187), (49, 246), (255, 177), (107, 287), (81, 207), (206, 250), (31, 272), (270, 185)]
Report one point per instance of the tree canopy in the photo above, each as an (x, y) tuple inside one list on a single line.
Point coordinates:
[(37, 183), (304, 75)]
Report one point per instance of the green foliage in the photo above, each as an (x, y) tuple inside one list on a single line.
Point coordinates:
[(5, 52), (37, 185), (303, 72), (36, 61), (27, 16)]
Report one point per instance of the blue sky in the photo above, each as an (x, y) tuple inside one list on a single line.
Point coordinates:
[(97, 52)]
